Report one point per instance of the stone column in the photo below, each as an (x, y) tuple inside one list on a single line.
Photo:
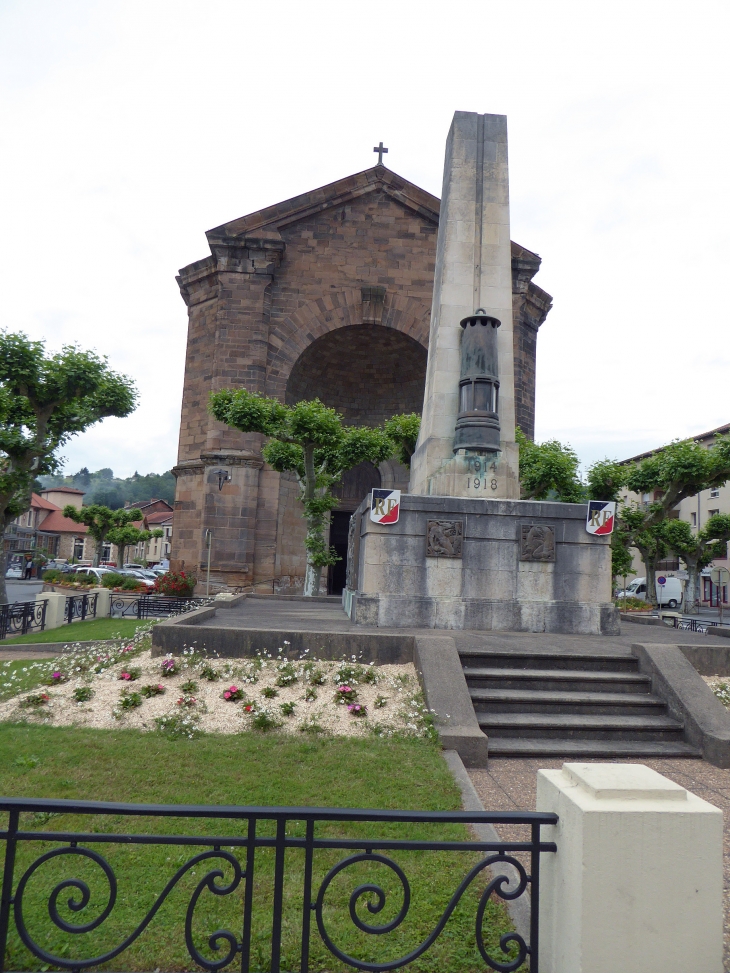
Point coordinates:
[(473, 270), (636, 884)]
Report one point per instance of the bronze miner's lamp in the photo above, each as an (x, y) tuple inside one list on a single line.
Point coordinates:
[(477, 425)]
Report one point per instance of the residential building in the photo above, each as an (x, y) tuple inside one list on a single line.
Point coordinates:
[(695, 511)]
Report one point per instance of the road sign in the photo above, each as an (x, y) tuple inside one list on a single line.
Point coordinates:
[(661, 580), (719, 575)]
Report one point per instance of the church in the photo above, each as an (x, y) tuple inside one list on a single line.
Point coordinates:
[(326, 295)]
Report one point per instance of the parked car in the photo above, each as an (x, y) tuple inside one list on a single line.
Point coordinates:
[(139, 574), (158, 570), (668, 595), (97, 573), (14, 571)]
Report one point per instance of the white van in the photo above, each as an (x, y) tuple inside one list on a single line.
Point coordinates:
[(668, 595)]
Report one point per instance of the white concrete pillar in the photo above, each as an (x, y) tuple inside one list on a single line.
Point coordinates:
[(636, 884), (103, 601), (55, 609)]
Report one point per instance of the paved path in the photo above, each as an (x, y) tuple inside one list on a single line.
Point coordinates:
[(271, 613), (510, 785)]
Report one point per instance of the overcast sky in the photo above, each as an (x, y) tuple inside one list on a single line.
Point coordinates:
[(129, 128)]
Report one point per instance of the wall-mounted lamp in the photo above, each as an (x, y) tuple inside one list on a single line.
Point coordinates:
[(223, 477)]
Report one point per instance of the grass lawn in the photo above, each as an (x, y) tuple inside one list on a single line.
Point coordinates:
[(245, 768), (97, 628)]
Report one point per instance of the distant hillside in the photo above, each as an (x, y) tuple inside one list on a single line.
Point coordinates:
[(111, 491)]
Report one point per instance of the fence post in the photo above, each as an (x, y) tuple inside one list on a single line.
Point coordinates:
[(55, 607), (636, 884), (103, 602)]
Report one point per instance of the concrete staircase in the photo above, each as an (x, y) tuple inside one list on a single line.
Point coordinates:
[(569, 704)]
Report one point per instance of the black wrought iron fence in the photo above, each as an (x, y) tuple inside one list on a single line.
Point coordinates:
[(22, 617), (154, 606), (324, 886), (80, 607)]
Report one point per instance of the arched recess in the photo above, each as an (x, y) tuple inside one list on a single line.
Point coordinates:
[(367, 372), (289, 338)]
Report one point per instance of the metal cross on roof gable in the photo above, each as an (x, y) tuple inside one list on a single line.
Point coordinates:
[(381, 151)]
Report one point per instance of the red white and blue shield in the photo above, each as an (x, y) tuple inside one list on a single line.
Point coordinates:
[(385, 506), (601, 516)]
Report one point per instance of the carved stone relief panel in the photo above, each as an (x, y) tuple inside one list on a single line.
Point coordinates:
[(537, 542), (444, 538)]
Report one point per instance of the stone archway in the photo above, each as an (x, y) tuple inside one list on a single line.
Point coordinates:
[(367, 372)]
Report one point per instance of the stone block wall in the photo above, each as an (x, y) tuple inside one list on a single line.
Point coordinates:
[(326, 294)]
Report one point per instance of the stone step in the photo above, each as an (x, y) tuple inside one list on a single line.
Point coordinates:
[(583, 727), (608, 749), (537, 701), (556, 680), (506, 659)]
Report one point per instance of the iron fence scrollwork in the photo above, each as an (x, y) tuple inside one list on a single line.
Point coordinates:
[(154, 606), (510, 878), (80, 607), (22, 617)]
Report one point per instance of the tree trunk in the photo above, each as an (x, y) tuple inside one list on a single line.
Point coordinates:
[(691, 592), (312, 578), (3, 569), (98, 553), (650, 574)]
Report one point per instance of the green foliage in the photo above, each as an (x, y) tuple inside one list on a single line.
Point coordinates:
[(104, 523), (103, 488), (175, 584), (44, 401), (52, 576), (113, 580), (549, 471), (403, 430), (309, 440), (605, 480)]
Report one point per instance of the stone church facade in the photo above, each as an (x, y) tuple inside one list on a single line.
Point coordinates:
[(327, 294)]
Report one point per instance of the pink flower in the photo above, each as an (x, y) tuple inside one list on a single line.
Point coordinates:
[(160, 686), (233, 689), (56, 675), (226, 695)]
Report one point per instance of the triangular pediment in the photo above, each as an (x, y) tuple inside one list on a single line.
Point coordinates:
[(378, 179)]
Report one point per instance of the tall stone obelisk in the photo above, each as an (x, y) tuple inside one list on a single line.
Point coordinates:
[(473, 271)]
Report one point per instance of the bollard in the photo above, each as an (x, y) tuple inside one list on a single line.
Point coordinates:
[(636, 884)]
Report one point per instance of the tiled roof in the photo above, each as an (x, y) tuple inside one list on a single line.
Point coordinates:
[(41, 504), (56, 523), (159, 517), (63, 489)]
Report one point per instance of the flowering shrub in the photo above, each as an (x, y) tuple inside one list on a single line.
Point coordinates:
[(153, 690), (345, 694), (350, 672), (169, 666), (56, 678), (190, 686), (130, 674), (206, 671), (175, 585), (722, 691), (177, 725), (380, 702), (287, 674), (187, 700), (129, 700), (310, 694), (36, 699), (264, 719), (233, 694), (83, 694), (313, 674), (357, 709)]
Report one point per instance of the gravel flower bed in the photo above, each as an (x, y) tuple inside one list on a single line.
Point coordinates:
[(720, 685), (185, 696)]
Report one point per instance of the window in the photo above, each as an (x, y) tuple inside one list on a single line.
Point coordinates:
[(480, 395), (714, 494), (78, 548), (106, 554), (712, 513), (694, 519)]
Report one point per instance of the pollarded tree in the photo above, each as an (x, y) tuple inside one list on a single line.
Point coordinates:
[(101, 521), (697, 549), (403, 430), (44, 401), (311, 441), (549, 471), (126, 534), (678, 471)]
